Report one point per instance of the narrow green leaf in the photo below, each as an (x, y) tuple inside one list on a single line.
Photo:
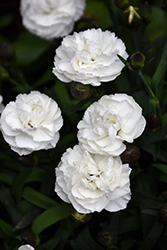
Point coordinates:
[(86, 241), (7, 229), (38, 199), (151, 211), (6, 178), (50, 217), (161, 167), (152, 237), (129, 224), (114, 225), (36, 174), (146, 200), (9, 204), (19, 182), (159, 73)]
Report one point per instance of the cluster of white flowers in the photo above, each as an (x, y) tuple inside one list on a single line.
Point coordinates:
[(31, 123), (51, 18), (91, 176)]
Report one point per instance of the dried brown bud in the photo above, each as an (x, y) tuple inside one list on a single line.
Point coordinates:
[(153, 121), (7, 54), (30, 239), (131, 154)]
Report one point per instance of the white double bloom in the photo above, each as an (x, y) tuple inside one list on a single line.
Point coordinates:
[(92, 182), (51, 18), (26, 247), (108, 123), (31, 123), (89, 57)]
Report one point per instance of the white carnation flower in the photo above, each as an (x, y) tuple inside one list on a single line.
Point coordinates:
[(1, 104), (109, 122), (92, 182), (89, 57), (51, 18), (26, 247), (31, 123)]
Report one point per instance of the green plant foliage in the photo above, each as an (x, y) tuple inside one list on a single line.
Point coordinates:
[(28, 202)]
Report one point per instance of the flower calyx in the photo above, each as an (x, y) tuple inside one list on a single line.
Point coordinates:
[(80, 218), (132, 17)]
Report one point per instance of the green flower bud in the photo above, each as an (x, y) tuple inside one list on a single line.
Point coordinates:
[(137, 61), (30, 239), (132, 17), (164, 194), (28, 160), (7, 54), (163, 213), (104, 238), (147, 12), (4, 75), (80, 91), (153, 121), (131, 154), (122, 4), (80, 218)]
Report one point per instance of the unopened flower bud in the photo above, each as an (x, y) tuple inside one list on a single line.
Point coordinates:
[(147, 12), (104, 238), (153, 121), (80, 91), (131, 154), (4, 75), (122, 4), (137, 61), (28, 160), (163, 213), (80, 218), (132, 17), (164, 194), (31, 239), (7, 54)]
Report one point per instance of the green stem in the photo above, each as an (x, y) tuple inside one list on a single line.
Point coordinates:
[(150, 92)]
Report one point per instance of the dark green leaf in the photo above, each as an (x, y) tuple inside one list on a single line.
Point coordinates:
[(8, 203), (38, 199), (159, 73), (152, 237), (50, 217), (86, 241), (146, 200), (114, 225), (161, 167), (150, 211)]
